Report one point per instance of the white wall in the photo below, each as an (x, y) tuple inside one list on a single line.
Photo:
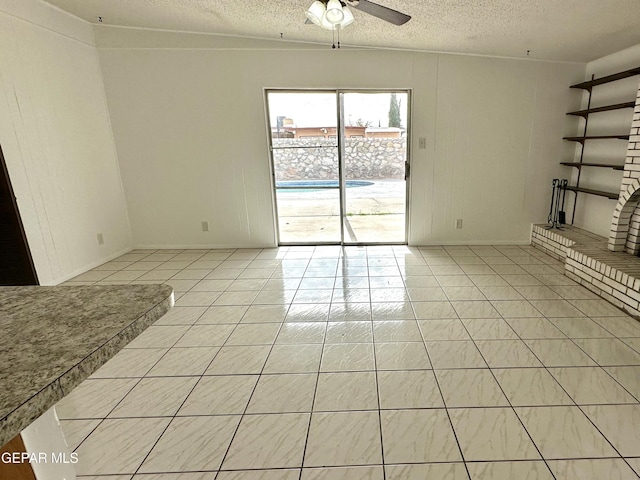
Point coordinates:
[(498, 135), (57, 141), (594, 213), (189, 124)]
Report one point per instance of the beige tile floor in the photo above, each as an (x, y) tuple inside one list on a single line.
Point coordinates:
[(395, 363)]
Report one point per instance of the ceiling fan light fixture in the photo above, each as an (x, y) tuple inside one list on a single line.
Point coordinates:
[(324, 23), (316, 12), (348, 17), (334, 14)]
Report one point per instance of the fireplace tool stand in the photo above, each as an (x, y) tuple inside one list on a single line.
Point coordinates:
[(557, 216)]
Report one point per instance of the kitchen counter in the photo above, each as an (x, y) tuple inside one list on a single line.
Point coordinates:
[(52, 338)]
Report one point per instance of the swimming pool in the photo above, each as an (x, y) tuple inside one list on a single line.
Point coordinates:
[(312, 185)]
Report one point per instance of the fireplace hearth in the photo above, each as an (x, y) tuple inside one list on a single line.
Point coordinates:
[(614, 276)]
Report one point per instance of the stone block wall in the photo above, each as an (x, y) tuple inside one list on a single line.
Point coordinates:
[(365, 158)]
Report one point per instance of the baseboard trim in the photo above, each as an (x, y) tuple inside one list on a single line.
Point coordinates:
[(86, 268), (197, 246)]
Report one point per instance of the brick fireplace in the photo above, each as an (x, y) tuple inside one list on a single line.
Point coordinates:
[(625, 226), (603, 265)]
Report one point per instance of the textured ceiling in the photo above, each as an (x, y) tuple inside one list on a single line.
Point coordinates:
[(569, 30)]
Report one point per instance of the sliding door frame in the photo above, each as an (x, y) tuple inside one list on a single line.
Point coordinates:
[(273, 169), (340, 132)]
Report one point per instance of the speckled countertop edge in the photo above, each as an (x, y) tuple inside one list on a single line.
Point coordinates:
[(17, 309)]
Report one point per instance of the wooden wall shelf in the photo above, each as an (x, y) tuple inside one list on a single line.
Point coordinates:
[(587, 164), (588, 85), (596, 137), (600, 193), (606, 108)]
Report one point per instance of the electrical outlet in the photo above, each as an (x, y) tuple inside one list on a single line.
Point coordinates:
[(100, 239), (205, 226), (422, 143), (459, 223)]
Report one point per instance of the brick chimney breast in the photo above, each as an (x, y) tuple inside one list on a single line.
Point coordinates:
[(625, 225)]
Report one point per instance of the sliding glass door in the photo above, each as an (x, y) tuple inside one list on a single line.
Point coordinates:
[(374, 164), (304, 148), (339, 162)]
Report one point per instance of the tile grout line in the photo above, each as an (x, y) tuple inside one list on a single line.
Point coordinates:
[(191, 390), (446, 409), (173, 417), (455, 435), (557, 382), (224, 457), (504, 393), (375, 366), (129, 391), (313, 401)]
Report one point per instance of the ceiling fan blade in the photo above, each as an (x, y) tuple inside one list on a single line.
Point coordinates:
[(384, 13)]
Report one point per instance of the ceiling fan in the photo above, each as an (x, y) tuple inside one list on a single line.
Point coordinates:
[(335, 14), (384, 13)]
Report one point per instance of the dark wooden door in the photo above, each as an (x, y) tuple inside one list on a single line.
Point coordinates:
[(15, 470), (16, 266)]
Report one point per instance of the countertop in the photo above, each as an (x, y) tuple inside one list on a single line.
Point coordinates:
[(52, 338)]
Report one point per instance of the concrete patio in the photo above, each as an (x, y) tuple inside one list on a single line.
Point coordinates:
[(374, 214)]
